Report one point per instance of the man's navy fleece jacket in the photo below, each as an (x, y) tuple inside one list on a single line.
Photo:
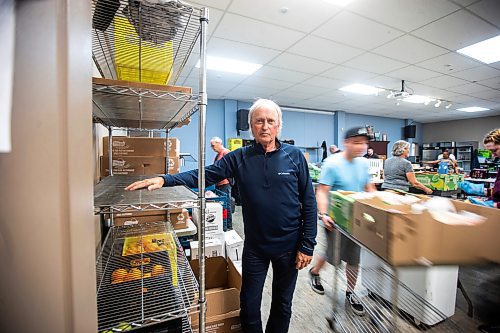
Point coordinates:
[(279, 207)]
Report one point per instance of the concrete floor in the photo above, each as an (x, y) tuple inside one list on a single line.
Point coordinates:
[(311, 309)]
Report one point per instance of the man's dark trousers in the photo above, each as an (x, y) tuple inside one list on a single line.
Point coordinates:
[(226, 188), (255, 267)]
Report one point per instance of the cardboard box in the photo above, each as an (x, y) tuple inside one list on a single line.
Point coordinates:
[(139, 165), (133, 165), (178, 218), (340, 207), (223, 283), (220, 237), (440, 182), (140, 146), (213, 248), (234, 245), (213, 218), (404, 238)]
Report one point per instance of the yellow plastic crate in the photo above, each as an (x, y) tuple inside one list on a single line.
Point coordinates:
[(156, 59)]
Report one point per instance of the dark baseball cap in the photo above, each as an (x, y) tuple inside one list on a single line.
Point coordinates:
[(357, 131)]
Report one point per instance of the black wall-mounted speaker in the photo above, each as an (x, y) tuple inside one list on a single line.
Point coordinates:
[(410, 131), (242, 120)]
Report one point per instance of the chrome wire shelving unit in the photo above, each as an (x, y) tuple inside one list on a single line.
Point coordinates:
[(140, 48), (143, 279), (110, 196), (382, 315)]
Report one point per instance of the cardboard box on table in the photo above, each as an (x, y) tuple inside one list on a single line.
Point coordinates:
[(402, 238), (223, 285), (440, 182)]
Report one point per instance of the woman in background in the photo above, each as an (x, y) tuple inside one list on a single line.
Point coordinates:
[(398, 171)]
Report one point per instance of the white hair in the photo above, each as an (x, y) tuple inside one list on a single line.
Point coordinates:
[(268, 104), (216, 139), (399, 147)]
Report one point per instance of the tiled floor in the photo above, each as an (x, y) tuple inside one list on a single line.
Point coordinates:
[(311, 309)]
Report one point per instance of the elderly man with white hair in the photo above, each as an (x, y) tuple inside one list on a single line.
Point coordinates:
[(398, 171), (279, 214)]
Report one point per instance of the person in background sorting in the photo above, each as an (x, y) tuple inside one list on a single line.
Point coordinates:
[(492, 143), (398, 171), (450, 155), (371, 154), (334, 149), (347, 171), (279, 214), (445, 164), (224, 185)]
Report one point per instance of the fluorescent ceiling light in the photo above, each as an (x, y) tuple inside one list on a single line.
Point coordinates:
[(417, 99), (473, 109), (363, 89), (230, 65), (487, 51)]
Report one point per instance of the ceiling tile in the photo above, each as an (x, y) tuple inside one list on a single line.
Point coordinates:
[(469, 88), (464, 99), (488, 94), (385, 82), (449, 63), (242, 29), (357, 31), (375, 63), (239, 51), (220, 4), (325, 50), (281, 74), (319, 81), (488, 10), (410, 49), (252, 91), (477, 73), (348, 74), (406, 15), (413, 73), (296, 94), (308, 89), (457, 30), (444, 81), (492, 83), (267, 82), (300, 64), (297, 16)]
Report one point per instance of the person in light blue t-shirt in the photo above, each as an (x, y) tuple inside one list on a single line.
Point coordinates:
[(347, 171)]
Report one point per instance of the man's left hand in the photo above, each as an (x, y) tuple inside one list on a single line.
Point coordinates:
[(302, 260)]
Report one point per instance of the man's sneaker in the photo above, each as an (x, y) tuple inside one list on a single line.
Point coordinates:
[(316, 283), (355, 304)]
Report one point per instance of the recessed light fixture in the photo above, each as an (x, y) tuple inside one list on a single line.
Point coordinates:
[(487, 51), (230, 65), (473, 109), (417, 99), (362, 89)]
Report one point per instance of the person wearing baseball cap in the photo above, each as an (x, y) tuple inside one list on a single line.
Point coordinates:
[(347, 171)]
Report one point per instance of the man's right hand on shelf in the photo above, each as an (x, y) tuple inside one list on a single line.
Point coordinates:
[(329, 222), (428, 191), (150, 183)]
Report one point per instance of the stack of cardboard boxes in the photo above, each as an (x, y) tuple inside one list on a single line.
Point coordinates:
[(140, 156)]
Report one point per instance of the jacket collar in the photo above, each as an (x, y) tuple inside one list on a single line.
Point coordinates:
[(258, 147)]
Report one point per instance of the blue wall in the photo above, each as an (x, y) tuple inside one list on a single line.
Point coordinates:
[(391, 126), (307, 129)]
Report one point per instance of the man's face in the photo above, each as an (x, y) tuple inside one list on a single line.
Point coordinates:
[(356, 146), (265, 125), (216, 146), (333, 149), (370, 151), (494, 148), (446, 155)]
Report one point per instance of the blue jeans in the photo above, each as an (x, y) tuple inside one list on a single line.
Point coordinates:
[(226, 188), (255, 267)]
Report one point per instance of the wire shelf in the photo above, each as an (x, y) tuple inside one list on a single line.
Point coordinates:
[(137, 288), (130, 105), (110, 196), (147, 41)]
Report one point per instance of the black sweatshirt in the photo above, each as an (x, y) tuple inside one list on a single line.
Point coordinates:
[(279, 206)]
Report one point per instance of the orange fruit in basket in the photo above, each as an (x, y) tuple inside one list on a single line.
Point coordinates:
[(134, 274), (157, 270), (118, 275)]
